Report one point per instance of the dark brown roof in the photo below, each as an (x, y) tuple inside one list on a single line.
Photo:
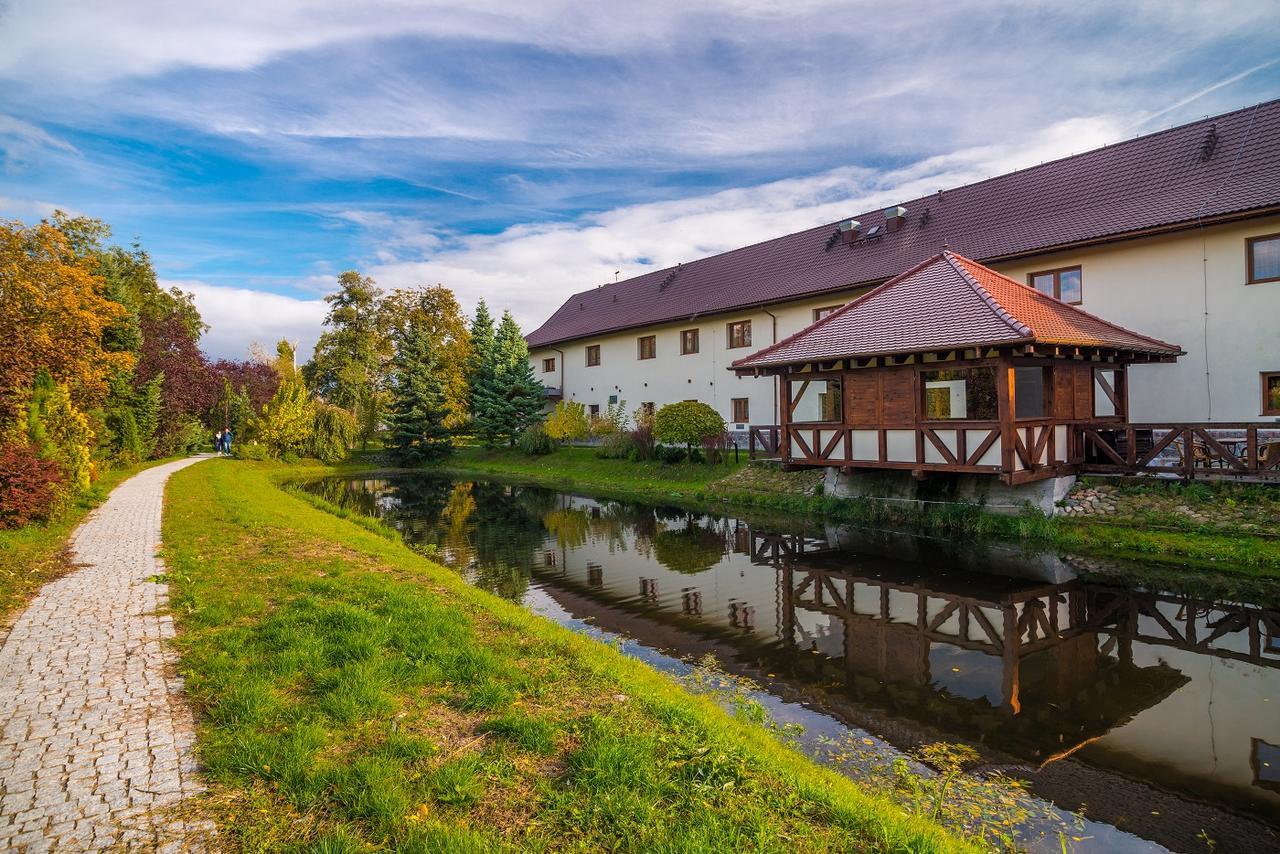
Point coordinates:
[(1152, 182), (947, 302)]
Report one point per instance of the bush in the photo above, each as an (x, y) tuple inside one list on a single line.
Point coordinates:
[(188, 436), (643, 446), (249, 451), (617, 446), (60, 432), (29, 486), (686, 423), (566, 423), (612, 422), (333, 433), (534, 441), (669, 455)]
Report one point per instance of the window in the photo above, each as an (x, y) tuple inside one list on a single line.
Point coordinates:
[(1028, 393), (1063, 284), (548, 365), (648, 346), (688, 342), (1265, 759), (593, 355), (1271, 394), (965, 393), (815, 401), (819, 313), (594, 410), (1264, 258), (740, 334), (741, 410)]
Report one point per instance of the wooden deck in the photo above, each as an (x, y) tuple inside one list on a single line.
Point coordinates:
[(1033, 449)]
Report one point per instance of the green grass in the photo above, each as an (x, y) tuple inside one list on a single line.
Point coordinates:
[(35, 554), (1169, 543), (353, 695)]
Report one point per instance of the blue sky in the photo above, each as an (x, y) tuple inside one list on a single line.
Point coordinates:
[(522, 151)]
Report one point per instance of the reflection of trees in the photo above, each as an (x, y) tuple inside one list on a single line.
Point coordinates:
[(455, 525), (690, 550), (569, 525)]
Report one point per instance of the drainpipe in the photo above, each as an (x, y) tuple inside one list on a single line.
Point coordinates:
[(774, 385)]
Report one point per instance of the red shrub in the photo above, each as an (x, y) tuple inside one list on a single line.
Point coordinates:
[(29, 486)]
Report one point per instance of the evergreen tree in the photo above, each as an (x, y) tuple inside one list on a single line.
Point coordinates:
[(417, 432), (508, 397), (481, 348)]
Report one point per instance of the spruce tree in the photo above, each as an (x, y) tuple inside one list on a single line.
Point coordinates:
[(416, 429), (508, 397), (481, 355)]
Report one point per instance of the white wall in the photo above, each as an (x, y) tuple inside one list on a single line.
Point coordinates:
[(1159, 286), (671, 377)]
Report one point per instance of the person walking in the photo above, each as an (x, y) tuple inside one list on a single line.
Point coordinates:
[(217, 442), (226, 441)]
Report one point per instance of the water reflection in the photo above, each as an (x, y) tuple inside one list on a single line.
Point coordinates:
[(1154, 710)]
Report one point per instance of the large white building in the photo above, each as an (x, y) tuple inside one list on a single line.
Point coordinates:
[(1175, 234)]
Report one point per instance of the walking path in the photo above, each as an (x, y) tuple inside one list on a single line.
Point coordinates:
[(95, 740)]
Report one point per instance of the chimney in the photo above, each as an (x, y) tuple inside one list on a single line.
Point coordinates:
[(895, 217), (849, 230)]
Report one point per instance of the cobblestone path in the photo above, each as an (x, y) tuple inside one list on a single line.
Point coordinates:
[(94, 738)]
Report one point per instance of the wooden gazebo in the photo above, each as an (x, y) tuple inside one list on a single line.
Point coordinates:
[(952, 367)]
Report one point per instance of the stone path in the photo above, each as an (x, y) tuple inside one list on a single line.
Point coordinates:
[(95, 740)]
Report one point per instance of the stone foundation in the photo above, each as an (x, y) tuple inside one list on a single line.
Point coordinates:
[(984, 489)]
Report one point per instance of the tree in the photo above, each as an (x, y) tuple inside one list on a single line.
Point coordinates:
[(686, 423), (333, 433), (482, 335), (508, 397), (416, 421), (567, 422), (189, 389), (58, 431), (436, 309), (287, 420), (348, 367), (54, 313)]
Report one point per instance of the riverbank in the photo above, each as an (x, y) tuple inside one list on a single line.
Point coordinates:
[(1206, 537), (352, 693), (33, 555)]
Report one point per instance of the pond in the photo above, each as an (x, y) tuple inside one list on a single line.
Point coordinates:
[(1152, 714)]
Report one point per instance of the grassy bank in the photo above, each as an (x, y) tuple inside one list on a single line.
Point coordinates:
[(35, 554), (1158, 538), (353, 694)]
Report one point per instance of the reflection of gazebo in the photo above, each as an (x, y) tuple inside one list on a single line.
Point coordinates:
[(953, 367), (975, 655)]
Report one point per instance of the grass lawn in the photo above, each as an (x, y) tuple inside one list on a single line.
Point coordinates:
[(352, 694), (1145, 536), (35, 554)]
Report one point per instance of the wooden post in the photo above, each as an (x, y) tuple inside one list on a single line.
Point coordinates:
[(784, 436), (1005, 410)]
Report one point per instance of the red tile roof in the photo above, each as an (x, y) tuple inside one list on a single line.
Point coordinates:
[(947, 302), (1152, 182)]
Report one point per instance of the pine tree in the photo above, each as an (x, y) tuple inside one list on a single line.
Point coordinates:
[(417, 432), (508, 396), (481, 349)]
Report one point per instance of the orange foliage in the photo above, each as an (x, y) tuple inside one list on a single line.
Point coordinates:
[(53, 311)]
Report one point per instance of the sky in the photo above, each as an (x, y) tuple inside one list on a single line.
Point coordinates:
[(522, 151)]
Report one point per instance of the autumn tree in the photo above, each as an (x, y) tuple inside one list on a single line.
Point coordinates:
[(54, 313), (508, 397), (348, 367), (436, 313), (286, 421)]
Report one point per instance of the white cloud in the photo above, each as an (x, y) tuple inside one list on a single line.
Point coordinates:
[(238, 317), (532, 269)]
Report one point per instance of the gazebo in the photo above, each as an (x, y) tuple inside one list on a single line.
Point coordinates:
[(952, 367)]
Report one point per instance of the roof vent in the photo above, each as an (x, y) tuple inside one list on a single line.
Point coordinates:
[(1210, 143), (895, 217), (849, 230), (875, 232), (671, 277)]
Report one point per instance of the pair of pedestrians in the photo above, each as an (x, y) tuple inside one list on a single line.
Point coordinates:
[(222, 442)]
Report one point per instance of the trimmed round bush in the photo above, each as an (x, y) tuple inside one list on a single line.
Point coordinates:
[(686, 423)]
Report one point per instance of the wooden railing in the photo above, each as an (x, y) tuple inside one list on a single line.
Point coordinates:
[(763, 440), (1212, 450)]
